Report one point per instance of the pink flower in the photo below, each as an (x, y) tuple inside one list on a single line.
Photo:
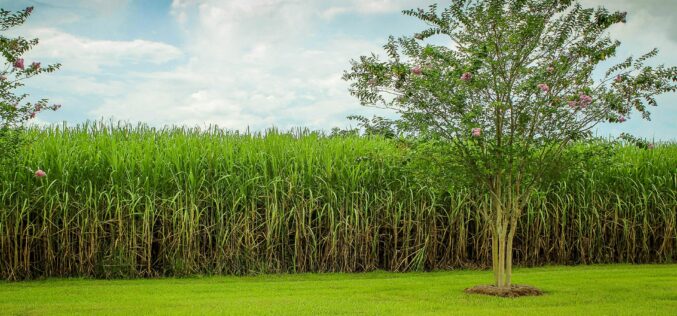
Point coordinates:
[(585, 100), (35, 65), (476, 132), (39, 173), (621, 119), (466, 76), (650, 146), (619, 78), (33, 114), (19, 63), (416, 70), (572, 104), (544, 87), (29, 10), (551, 69)]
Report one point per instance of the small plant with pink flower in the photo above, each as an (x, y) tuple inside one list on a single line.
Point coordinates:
[(15, 108)]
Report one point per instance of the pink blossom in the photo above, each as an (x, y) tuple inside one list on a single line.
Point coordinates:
[(466, 76), (621, 119), (572, 104), (19, 63), (476, 132), (39, 173), (35, 65), (619, 78), (416, 70), (33, 114), (650, 146), (544, 87), (585, 100), (29, 10)]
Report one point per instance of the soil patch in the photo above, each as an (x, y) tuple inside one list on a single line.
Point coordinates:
[(513, 291)]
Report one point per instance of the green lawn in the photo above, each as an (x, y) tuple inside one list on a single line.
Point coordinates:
[(585, 290)]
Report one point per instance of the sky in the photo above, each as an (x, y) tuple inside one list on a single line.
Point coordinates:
[(255, 64)]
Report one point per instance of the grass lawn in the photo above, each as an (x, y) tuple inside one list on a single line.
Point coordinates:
[(585, 290)]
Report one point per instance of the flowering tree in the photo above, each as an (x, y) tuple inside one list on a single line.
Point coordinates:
[(14, 109), (515, 87)]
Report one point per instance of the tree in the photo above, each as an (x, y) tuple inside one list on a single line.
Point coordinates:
[(14, 109), (515, 87)]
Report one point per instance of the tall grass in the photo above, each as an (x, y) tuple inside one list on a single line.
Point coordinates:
[(133, 201)]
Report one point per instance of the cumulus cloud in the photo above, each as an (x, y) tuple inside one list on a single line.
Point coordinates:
[(654, 14), (335, 8), (250, 64), (90, 56)]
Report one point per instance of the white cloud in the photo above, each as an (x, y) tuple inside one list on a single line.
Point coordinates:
[(334, 8), (89, 56), (380, 6), (250, 64)]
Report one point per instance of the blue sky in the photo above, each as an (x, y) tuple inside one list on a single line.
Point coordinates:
[(255, 63)]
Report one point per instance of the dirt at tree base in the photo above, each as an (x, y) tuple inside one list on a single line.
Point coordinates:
[(513, 291)]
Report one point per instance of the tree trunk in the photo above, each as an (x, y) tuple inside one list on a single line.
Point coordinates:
[(507, 210), (502, 257), (494, 254), (497, 230)]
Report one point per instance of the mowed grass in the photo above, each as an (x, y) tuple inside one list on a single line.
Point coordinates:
[(581, 290)]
